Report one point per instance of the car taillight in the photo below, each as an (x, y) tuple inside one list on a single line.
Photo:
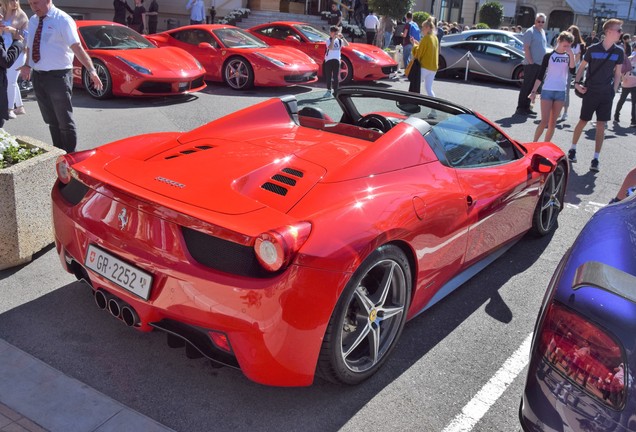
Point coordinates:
[(585, 354), (220, 340), (65, 162), (275, 249)]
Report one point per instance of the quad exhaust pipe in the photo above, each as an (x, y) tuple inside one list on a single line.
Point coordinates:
[(117, 308)]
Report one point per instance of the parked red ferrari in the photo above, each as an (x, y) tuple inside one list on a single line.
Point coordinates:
[(129, 65), (297, 236), (360, 62), (232, 55)]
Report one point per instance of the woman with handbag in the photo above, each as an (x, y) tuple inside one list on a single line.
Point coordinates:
[(628, 82), (426, 52)]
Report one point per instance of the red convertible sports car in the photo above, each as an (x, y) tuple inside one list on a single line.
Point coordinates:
[(297, 236), (234, 56), (360, 62), (129, 65)]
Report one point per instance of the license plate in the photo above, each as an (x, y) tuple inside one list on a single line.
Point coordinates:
[(117, 271)]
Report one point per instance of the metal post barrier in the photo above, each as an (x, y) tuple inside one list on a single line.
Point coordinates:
[(467, 66)]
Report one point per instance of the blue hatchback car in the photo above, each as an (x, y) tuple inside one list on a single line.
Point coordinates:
[(583, 356)]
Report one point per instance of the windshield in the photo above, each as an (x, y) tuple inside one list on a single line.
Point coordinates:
[(113, 37), (237, 38), (312, 33)]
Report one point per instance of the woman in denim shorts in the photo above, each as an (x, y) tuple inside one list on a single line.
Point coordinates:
[(554, 73)]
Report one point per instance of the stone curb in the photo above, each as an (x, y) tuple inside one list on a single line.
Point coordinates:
[(58, 402)]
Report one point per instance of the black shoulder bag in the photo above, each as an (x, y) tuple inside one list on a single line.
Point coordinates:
[(589, 75)]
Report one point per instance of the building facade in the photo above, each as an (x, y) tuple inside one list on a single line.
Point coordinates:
[(588, 15)]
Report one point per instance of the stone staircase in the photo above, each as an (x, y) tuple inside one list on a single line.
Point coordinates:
[(262, 17)]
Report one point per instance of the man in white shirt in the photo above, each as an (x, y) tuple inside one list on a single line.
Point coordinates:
[(371, 25), (52, 43), (197, 11)]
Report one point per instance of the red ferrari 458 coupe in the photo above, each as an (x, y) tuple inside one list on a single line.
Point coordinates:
[(129, 65), (297, 236), (360, 62), (232, 55)]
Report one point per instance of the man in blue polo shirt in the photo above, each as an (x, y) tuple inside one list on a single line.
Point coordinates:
[(603, 61)]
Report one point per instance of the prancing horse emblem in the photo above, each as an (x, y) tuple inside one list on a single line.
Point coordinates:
[(123, 219)]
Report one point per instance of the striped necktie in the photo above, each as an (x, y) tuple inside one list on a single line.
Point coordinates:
[(35, 55)]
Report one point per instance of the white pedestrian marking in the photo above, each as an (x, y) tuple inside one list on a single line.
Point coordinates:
[(479, 405)]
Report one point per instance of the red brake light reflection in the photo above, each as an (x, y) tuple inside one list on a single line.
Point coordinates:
[(586, 354), (64, 163)]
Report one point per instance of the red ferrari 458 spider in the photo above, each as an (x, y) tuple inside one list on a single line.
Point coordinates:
[(297, 236), (129, 65), (232, 55), (360, 62)]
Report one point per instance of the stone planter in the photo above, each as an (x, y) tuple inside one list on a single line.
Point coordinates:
[(25, 212)]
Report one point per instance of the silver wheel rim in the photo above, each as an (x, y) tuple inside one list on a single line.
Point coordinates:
[(344, 71), (551, 198), (373, 316), (236, 74), (103, 75)]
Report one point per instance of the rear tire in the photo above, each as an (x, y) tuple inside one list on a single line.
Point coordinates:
[(441, 67), (550, 203), (518, 75), (368, 319)]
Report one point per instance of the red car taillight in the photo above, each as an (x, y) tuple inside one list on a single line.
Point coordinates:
[(275, 249), (585, 354), (64, 163)]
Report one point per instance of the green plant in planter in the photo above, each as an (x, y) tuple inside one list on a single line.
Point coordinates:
[(13, 152)]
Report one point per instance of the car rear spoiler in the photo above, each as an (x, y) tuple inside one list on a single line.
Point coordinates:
[(605, 277)]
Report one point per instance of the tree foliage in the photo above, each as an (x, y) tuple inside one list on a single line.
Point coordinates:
[(392, 8), (420, 17), (491, 13)]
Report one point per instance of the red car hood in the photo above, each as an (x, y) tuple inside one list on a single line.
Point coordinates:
[(167, 61), (370, 50), (286, 54)]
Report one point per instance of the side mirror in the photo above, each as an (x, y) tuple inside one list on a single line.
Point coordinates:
[(205, 45), (292, 38), (541, 164)]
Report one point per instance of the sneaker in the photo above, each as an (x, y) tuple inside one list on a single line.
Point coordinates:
[(572, 155), (12, 114), (564, 117), (19, 110), (327, 94), (594, 165)]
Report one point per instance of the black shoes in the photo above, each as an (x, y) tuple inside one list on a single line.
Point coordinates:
[(594, 165), (572, 155)]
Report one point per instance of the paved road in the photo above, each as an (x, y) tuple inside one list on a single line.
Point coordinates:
[(444, 358)]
